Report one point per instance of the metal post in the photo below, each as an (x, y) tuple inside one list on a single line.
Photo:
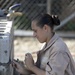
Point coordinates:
[(49, 6)]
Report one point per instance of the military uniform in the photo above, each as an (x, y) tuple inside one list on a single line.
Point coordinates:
[(55, 58)]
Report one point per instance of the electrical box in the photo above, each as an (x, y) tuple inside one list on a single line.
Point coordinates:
[(6, 46)]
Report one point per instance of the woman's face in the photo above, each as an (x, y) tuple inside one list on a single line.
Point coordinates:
[(40, 33)]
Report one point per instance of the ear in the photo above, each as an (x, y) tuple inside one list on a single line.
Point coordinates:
[(46, 27)]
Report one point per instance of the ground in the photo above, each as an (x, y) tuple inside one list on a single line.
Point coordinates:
[(23, 45)]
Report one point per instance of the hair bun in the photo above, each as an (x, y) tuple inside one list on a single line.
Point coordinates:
[(56, 20)]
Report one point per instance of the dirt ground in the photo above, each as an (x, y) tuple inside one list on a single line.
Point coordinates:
[(29, 44)]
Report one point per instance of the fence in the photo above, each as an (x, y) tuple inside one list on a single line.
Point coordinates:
[(32, 8)]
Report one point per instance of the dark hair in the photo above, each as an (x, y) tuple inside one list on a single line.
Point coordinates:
[(47, 19)]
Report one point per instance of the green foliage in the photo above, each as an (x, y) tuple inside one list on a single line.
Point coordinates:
[(70, 26), (23, 23)]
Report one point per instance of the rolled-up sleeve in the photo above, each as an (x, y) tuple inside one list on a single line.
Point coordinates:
[(57, 63)]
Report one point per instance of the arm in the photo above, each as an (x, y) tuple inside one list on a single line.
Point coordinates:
[(31, 66), (20, 67), (37, 71)]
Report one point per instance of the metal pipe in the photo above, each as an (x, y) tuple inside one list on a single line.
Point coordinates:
[(49, 6), (65, 21)]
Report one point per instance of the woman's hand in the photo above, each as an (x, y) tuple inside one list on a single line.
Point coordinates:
[(29, 62), (18, 67)]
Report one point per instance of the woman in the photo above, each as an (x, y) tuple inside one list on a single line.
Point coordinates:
[(54, 58)]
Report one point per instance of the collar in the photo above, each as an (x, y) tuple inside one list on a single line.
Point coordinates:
[(50, 43)]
